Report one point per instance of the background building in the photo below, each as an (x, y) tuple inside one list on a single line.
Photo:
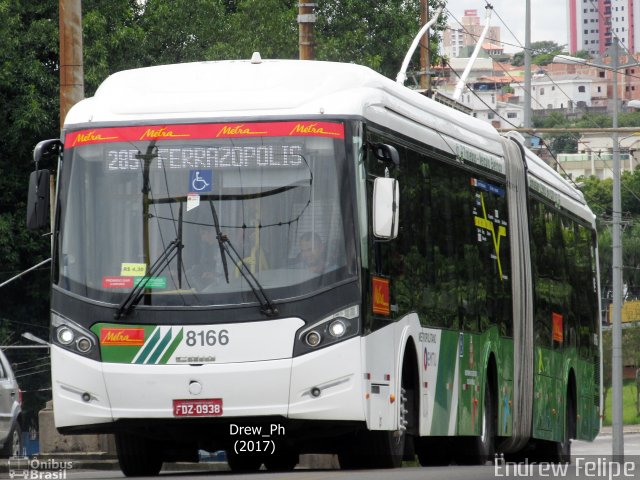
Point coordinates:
[(592, 24), (459, 41)]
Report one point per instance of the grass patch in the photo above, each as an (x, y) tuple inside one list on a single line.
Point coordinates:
[(629, 410)]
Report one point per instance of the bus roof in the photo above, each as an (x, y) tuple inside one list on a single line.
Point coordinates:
[(241, 89)]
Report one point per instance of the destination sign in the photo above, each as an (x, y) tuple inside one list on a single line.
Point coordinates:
[(261, 156)]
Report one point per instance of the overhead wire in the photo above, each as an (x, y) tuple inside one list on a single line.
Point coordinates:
[(556, 161), (500, 116)]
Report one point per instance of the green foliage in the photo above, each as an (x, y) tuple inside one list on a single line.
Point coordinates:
[(28, 113), (561, 142), (369, 32), (583, 54), (598, 194), (630, 414), (594, 120), (266, 26), (542, 53), (629, 119)]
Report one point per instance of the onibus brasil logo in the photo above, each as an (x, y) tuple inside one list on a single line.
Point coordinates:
[(23, 467)]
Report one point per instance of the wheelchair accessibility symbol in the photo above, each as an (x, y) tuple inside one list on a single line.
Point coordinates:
[(200, 181)]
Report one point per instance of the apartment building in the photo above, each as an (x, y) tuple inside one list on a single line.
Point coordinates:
[(592, 25)]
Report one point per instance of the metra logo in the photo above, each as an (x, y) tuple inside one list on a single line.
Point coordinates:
[(122, 336), (237, 130), (163, 132), (91, 136), (310, 128)]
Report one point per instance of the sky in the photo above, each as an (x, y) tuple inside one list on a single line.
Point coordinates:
[(548, 19)]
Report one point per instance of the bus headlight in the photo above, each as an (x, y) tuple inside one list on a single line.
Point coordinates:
[(74, 338), (65, 335), (337, 328), (313, 338), (332, 329)]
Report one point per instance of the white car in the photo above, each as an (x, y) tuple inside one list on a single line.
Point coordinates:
[(10, 411)]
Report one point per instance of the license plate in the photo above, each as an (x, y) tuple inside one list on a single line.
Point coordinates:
[(205, 407)]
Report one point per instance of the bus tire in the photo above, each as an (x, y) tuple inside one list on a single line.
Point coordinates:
[(559, 452), (434, 451), (244, 462), (486, 443), (283, 461), (138, 456), (388, 446), (478, 450)]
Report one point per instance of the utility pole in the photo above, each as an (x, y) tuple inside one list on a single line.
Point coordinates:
[(71, 69), (306, 22), (425, 60), (71, 72), (616, 372), (527, 66)]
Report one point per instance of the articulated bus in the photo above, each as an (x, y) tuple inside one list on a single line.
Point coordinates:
[(283, 257)]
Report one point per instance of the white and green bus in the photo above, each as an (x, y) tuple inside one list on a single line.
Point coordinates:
[(284, 257)]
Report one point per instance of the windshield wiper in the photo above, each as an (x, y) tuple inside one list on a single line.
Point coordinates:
[(227, 249), (135, 295)]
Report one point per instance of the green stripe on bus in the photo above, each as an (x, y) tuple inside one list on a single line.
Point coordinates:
[(444, 385), (149, 346), (160, 348), (172, 348)]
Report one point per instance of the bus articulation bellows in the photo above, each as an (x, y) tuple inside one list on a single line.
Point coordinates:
[(281, 257)]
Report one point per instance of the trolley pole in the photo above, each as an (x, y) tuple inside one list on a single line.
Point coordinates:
[(306, 21), (425, 60)]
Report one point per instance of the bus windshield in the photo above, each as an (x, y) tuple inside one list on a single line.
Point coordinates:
[(276, 200)]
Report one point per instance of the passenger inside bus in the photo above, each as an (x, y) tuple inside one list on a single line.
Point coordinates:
[(312, 254)]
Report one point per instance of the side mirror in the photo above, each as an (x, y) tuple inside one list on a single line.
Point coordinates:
[(38, 200), (386, 207), (386, 153)]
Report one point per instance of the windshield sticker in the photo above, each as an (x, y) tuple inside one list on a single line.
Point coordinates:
[(117, 282), (152, 282), (263, 156), (200, 181), (193, 201), (133, 269), (203, 131)]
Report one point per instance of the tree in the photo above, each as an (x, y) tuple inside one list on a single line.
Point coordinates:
[(112, 39), (369, 32), (542, 53), (561, 142), (266, 26), (28, 113)]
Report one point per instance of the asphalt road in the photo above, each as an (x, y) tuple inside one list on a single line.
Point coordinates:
[(588, 463)]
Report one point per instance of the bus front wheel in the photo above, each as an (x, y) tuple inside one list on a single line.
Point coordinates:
[(138, 456), (244, 462), (283, 461)]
